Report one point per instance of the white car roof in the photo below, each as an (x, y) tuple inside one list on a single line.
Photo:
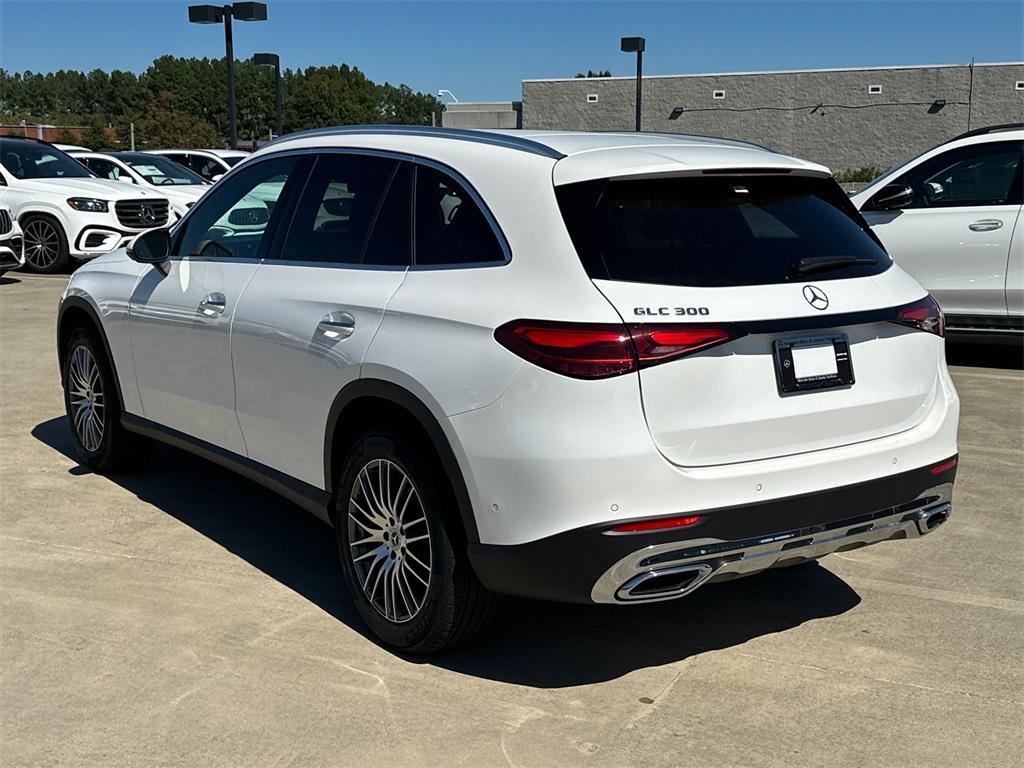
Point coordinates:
[(195, 151), (577, 155)]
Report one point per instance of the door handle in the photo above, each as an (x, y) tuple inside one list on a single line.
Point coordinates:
[(337, 325), (212, 304), (985, 225)]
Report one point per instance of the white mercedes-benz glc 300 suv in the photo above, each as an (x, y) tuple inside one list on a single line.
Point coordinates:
[(64, 210), (606, 368)]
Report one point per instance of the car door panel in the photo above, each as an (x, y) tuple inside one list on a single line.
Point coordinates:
[(181, 321), (182, 347), (310, 313), (964, 268), (290, 365)]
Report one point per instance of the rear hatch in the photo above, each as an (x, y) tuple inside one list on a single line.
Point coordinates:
[(795, 291)]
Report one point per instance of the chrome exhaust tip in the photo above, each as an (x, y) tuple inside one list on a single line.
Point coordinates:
[(665, 582), (932, 517)]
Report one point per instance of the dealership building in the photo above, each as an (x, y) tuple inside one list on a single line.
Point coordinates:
[(844, 118)]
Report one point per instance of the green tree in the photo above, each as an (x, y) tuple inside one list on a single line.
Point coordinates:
[(592, 73), (402, 105), (165, 126), (94, 134)]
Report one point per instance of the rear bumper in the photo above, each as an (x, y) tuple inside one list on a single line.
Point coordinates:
[(590, 565)]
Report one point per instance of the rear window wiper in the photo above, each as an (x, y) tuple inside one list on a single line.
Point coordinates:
[(810, 264)]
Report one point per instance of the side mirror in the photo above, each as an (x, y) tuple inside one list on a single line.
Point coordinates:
[(892, 197), (151, 247), (217, 177), (127, 179)]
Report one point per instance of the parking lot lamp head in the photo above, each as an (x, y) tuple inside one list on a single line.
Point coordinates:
[(213, 14)]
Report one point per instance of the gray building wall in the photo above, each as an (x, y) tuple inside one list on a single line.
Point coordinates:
[(483, 114), (826, 116)]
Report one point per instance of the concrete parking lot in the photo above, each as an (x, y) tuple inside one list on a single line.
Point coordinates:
[(185, 616)]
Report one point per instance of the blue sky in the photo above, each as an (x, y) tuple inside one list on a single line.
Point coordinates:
[(482, 50)]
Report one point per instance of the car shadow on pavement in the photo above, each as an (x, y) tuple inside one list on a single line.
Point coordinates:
[(998, 352), (544, 645)]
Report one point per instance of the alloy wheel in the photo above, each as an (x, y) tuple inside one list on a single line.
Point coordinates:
[(85, 393), (389, 540), (42, 244)]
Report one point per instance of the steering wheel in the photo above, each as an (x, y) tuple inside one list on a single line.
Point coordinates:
[(166, 180)]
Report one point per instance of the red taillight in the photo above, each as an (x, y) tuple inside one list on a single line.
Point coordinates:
[(590, 351), (945, 466), (580, 351), (644, 526), (924, 315)]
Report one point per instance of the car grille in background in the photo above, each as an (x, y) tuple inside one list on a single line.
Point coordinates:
[(245, 217), (5, 223), (141, 214)]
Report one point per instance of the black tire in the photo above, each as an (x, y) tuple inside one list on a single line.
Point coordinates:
[(455, 606), (46, 245), (116, 448)]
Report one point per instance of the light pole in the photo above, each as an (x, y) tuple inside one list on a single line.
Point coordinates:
[(636, 45), (451, 95), (272, 60), (214, 14)]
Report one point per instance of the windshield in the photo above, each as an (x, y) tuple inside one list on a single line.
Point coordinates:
[(32, 160), (718, 231), (160, 171), (233, 161)]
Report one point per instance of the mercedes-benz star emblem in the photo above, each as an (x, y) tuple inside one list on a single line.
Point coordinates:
[(149, 216), (815, 297)]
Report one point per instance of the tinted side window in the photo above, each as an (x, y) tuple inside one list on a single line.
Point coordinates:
[(205, 167), (103, 168), (391, 239), (337, 209), (980, 174), (230, 222), (450, 227)]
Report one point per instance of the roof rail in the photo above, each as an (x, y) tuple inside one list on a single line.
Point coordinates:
[(989, 129), (458, 134)]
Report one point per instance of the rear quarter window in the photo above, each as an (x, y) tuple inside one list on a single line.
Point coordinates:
[(719, 231)]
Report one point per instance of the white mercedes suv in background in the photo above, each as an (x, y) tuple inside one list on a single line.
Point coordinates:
[(211, 164), (65, 211), (952, 218), (178, 184), (603, 368)]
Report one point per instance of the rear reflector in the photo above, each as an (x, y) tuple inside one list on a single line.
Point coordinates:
[(945, 466), (645, 526), (597, 351), (923, 315)]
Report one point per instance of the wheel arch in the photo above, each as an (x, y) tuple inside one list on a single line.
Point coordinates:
[(78, 312), (36, 209), (368, 403)]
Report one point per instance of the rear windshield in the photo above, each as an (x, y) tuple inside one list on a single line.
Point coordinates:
[(719, 231)]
